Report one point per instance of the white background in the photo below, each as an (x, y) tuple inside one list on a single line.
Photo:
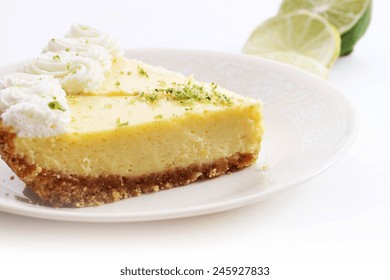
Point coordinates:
[(336, 226)]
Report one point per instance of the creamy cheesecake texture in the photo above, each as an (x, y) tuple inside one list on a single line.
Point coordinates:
[(127, 109), (152, 144), (82, 125)]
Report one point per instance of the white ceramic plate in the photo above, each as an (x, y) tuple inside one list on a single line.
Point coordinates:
[(308, 126)]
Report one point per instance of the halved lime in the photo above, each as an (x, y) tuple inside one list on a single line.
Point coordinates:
[(351, 17), (302, 32)]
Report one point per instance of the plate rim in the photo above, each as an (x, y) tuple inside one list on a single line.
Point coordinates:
[(59, 214)]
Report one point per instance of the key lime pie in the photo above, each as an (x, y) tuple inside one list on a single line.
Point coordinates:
[(82, 125)]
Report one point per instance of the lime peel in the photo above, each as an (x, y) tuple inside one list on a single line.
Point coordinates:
[(351, 37)]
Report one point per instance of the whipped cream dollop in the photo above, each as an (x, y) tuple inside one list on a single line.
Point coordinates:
[(33, 105), (81, 47), (96, 37), (79, 60), (33, 101), (77, 74)]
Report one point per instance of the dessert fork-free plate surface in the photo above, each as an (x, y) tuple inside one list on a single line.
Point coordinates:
[(308, 123)]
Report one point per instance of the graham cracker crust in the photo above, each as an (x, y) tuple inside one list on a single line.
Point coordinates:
[(72, 190)]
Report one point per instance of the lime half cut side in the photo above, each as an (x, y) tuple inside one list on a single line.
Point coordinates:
[(302, 32), (350, 17)]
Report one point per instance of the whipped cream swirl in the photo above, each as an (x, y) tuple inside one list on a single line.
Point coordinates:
[(77, 74), (96, 37), (81, 47), (79, 60), (33, 105), (33, 101)]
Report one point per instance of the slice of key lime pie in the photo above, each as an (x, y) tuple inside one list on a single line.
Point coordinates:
[(82, 125)]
